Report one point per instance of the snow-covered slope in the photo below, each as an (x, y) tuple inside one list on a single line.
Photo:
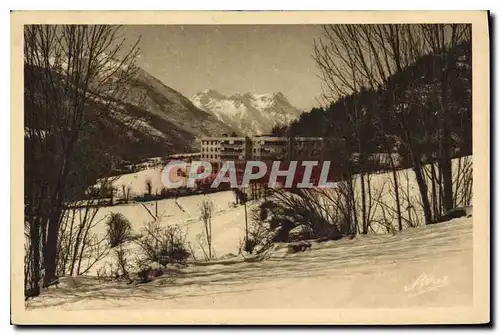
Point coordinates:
[(250, 114), (151, 94), (426, 266), (422, 267), (151, 118), (165, 115)]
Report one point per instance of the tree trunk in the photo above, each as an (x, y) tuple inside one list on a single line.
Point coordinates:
[(446, 146), (50, 252), (35, 258), (246, 224), (434, 190), (417, 168), (363, 205), (396, 191), (445, 167), (352, 201)]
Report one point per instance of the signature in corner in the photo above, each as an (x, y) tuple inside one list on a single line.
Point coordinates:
[(425, 283)]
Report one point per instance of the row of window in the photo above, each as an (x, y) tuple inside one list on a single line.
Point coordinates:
[(210, 149), (255, 150), (313, 153), (262, 142), (222, 142), (210, 142)]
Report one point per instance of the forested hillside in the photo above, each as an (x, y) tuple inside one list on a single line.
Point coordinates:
[(377, 114)]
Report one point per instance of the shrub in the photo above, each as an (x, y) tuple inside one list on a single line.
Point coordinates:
[(300, 214), (122, 262), (163, 244), (119, 229), (126, 193), (145, 275), (149, 187), (144, 198), (260, 236), (250, 245)]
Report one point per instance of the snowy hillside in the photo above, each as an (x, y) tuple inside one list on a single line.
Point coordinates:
[(165, 115), (151, 119), (250, 114), (165, 103), (422, 267)]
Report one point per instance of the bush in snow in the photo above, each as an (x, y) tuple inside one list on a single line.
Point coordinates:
[(126, 193), (260, 236), (250, 245), (122, 262), (149, 187), (298, 214), (119, 229), (163, 244)]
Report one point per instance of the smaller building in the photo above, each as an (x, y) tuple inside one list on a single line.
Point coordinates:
[(210, 149)]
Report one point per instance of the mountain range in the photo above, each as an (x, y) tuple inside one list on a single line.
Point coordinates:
[(164, 116), (249, 113), (153, 119)]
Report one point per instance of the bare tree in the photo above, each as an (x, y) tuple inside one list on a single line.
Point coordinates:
[(345, 69), (74, 76), (206, 213), (462, 182), (353, 58), (80, 247), (442, 40)]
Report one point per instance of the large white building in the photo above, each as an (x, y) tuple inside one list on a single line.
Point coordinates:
[(216, 150)]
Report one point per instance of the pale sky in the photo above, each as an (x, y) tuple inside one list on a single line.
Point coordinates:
[(232, 59)]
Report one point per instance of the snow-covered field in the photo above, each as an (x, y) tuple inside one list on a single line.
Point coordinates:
[(228, 222), (136, 182), (421, 267)]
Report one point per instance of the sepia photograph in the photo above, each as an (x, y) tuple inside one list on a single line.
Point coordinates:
[(250, 167)]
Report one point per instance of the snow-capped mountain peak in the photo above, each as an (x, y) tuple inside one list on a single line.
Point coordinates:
[(250, 113)]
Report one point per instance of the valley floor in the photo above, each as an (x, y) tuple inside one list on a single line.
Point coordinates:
[(425, 267)]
